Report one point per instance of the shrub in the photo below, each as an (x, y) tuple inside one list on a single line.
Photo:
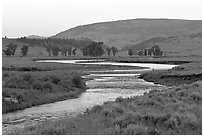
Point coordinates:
[(135, 130), (96, 108), (55, 79), (45, 78), (125, 120), (78, 82), (28, 77), (66, 83), (112, 131), (6, 74), (153, 132), (47, 86), (107, 112), (171, 123), (190, 120), (37, 85), (119, 99), (196, 97), (16, 82), (5, 93), (150, 117)]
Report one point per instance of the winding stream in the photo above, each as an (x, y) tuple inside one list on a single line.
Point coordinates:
[(105, 85)]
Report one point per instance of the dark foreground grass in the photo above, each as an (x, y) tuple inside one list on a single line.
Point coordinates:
[(172, 111), (25, 89)]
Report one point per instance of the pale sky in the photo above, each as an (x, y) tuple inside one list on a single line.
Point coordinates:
[(49, 17)]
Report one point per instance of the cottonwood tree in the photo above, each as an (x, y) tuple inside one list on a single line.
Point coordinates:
[(55, 50), (69, 51), (64, 50), (24, 50), (74, 51), (149, 52), (108, 50), (114, 50), (156, 51), (145, 52), (10, 50), (48, 46), (94, 49), (140, 53), (130, 52)]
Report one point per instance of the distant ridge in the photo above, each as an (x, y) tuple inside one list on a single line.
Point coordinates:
[(129, 32), (36, 37)]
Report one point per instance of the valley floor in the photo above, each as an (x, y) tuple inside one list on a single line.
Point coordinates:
[(176, 110)]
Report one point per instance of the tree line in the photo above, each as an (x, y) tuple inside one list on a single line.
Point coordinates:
[(153, 51), (96, 49), (65, 50), (53, 46)]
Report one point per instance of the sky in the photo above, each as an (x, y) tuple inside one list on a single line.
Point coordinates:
[(49, 17)]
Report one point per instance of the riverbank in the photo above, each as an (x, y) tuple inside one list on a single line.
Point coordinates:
[(183, 74)]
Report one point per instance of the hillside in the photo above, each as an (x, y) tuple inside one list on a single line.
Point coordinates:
[(187, 44), (130, 32)]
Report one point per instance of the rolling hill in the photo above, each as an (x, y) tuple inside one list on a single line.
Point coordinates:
[(130, 32)]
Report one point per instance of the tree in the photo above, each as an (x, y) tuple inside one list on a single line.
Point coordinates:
[(10, 50), (55, 50), (114, 50), (48, 46), (64, 50), (156, 51), (69, 51), (108, 50), (74, 51), (24, 50), (145, 52), (130, 52), (94, 49), (149, 51), (7, 52), (140, 53)]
